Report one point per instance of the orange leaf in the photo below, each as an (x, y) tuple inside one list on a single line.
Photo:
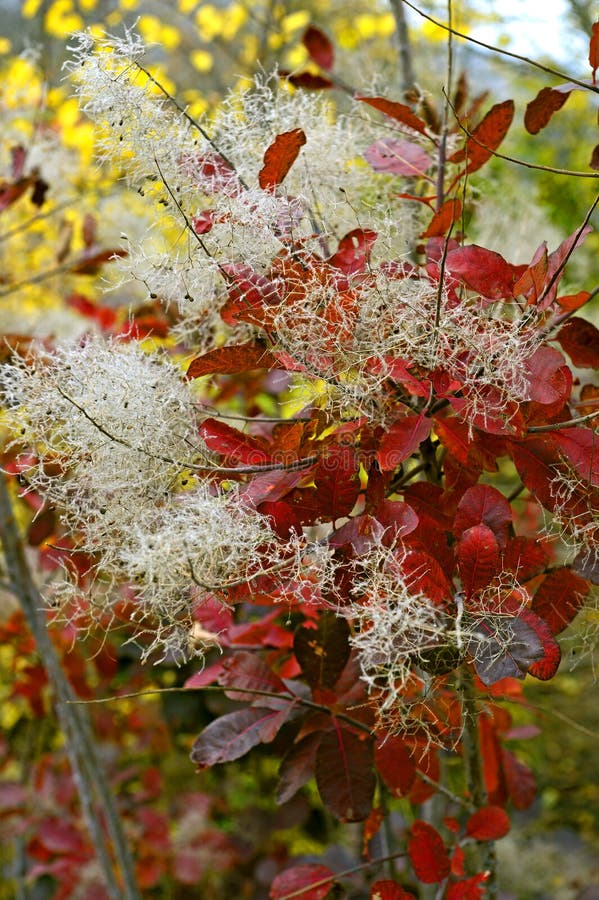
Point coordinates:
[(443, 219), (540, 110), (279, 158), (486, 137)]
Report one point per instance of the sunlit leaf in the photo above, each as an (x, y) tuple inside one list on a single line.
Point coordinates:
[(279, 157)]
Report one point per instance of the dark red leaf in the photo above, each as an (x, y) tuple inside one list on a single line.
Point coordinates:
[(443, 219), (299, 880), (323, 651), (486, 137), (232, 735), (427, 853), (594, 50), (394, 763), (519, 779), (279, 157), (488, 824), (579, 338), (478, 558), (248, 671), (402, 440), (233, 444), (484, 505), (230, 360), (337, 482), (398, 111), (344, 775), (559, 598), (594, 161), (485, 271), (389, 890), (398, 157), (307, 80), (89, 263), (297, 766), (540, 110), (319, 47)]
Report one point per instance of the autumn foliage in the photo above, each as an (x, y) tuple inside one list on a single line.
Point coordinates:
[(368, 498)]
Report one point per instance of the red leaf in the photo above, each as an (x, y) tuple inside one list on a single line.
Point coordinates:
[(59, 836), (230, 360), (232, 735), (580, 447), (393, 761), (319, 47), (478, 558), (344, 775), (297, 766), (488, 824), (594, 161), (427, 853), (353, 252), (540, 110), (398, 157), (389, 890), (443, 219), (594, 49), (246, 670), (300, 879), (579, 338), (486, 137), (519, 779), (232, 444), (323, 651), (424, 574), (402, 440), (549, 378), (485, 271), (279, 158), (572, 302), (337, 482), (468, 889), (559, 598), (544, 668), (484, 505), (557, 260), (525, 557), (250, 294), (398, 111)]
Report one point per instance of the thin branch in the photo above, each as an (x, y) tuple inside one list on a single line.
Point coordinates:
[(294, 466), (24, 226), (525, 59), (289, 695), (557, 426)]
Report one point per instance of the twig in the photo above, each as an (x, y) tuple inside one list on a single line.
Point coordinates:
[(408, 79), (525, 59)]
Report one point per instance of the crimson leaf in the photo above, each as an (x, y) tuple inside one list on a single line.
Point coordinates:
[(427, 853)]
